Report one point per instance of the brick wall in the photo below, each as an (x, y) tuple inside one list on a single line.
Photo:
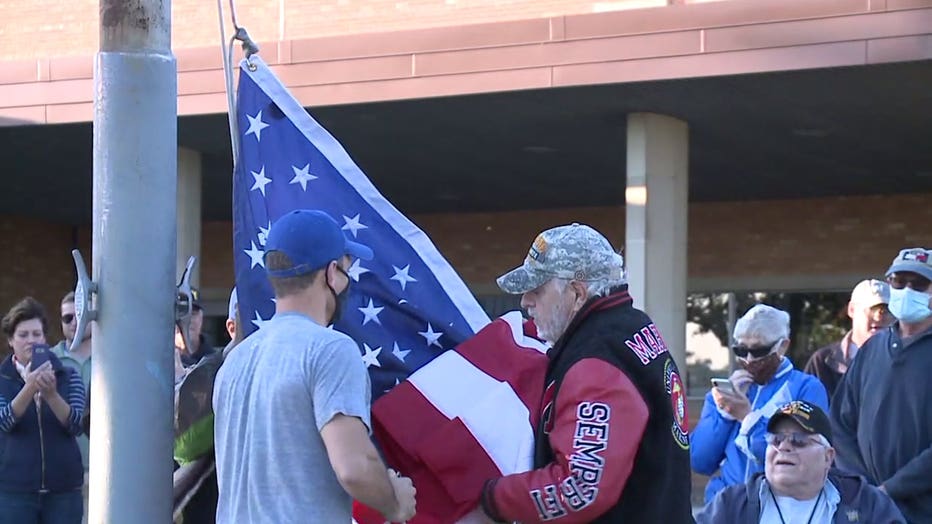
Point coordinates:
[(36, 261), (45, 28), (845, 235)]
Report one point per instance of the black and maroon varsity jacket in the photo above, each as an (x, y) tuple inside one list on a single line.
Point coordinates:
[(612, 444)]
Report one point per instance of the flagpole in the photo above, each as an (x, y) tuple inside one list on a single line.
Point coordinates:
[(135, 185)]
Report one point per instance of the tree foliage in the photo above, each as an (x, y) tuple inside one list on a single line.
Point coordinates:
[(816, 319)]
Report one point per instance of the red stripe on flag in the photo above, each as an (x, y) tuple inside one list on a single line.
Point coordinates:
[(423, 444), (445, 461)]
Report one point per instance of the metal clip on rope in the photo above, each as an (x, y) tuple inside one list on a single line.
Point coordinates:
[(249, 47)]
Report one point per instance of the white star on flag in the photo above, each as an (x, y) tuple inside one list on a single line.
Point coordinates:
[(431, 336), (255, 256), (264, 234), (399, 353), (256, 125), (259, 321), (353, 225), (261, 181), (301, 176), (371, 356), (401, 275), (371, 312), (356, 270)]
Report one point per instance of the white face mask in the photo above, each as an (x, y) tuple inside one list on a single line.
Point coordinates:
[(909, 305)]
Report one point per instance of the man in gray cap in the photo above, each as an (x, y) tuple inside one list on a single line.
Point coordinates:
[(612, 442), (869, 313), (882, 410)]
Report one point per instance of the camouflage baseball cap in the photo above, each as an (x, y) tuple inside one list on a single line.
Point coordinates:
[(574, 252)]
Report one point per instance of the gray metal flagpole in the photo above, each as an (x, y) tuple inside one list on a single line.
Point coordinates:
[(135, 186)]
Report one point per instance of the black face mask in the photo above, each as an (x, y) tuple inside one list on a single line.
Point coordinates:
[(339, 299), (763, 369)]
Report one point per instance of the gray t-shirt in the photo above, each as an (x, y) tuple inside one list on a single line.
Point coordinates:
[(273, 394)]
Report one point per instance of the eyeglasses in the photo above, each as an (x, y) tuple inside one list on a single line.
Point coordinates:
[(757, 352), (797, 440), (67, 318), (911, 280)]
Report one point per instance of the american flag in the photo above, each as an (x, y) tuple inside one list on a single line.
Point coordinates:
[(407, 305)]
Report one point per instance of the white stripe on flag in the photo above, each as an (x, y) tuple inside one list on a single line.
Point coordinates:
[(516, 323), (490, 409)]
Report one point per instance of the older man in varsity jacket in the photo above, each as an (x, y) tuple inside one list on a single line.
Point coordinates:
[(612, 444)]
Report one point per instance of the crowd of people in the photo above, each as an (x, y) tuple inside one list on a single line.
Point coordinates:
[(841, 441), (847, 439), (45, 407)]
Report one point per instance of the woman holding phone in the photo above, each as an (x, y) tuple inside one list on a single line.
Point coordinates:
[(41, 404), (731, 434)]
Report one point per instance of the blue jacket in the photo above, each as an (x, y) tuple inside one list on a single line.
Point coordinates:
[(860, 503), (712, 442), (39, 453)]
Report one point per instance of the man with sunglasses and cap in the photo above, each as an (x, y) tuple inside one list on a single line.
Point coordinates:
[(291, 402), (799, 485), (80, 361), (730, 436), (882, 411), (80, 358)]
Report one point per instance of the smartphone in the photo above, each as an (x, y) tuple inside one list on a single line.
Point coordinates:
[(40, 355), (724, 384)]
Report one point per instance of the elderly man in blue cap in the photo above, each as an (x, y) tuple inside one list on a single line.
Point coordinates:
[(291, 402)]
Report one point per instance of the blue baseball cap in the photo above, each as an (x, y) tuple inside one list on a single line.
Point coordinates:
[(311, 239)]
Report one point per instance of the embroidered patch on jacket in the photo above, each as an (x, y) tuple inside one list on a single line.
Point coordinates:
[(674, 386)]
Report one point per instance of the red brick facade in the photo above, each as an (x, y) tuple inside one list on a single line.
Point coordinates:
[(741, 240), (54, 28)]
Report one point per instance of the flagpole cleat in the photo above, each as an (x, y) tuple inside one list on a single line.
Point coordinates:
[(184, 302), (84, 292)]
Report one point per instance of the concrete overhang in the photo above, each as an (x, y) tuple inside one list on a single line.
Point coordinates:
[(678, 41), (785, 99)]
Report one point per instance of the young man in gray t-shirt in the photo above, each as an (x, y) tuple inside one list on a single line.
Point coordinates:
[(291, 402)]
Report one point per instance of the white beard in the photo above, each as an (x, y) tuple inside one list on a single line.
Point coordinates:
[(552, 329)]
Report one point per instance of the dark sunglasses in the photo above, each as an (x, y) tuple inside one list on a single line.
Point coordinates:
[(911, 280), (797, 440), (756, 352), (66, 319)]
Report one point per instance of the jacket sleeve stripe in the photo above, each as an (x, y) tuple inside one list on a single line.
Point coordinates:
[(7, 418), (76, 399), (599, 420)]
